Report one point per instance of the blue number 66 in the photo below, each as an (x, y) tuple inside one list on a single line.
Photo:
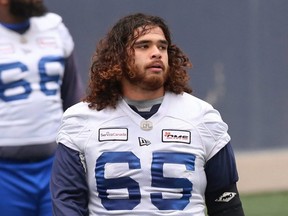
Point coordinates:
[(26, 86)]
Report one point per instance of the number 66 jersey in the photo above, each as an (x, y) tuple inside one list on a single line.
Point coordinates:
[(32, 68), (114, 162)]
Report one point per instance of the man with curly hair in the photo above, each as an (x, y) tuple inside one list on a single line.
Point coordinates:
[(140, 143)]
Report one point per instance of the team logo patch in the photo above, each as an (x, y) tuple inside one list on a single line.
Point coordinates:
[(226, 197), (146, 125), (143, 142), (180, 136), (113, 134)]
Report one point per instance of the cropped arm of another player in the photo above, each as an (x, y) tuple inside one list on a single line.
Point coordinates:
[(140, 143)]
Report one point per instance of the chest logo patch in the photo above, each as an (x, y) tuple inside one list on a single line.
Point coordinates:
[(113, 134), (180, 136)]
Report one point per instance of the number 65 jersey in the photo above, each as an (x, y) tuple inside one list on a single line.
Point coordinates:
[(133, 166)]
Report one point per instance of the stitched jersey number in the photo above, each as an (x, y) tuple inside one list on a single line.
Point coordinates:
[(44, 78), (158, 180)]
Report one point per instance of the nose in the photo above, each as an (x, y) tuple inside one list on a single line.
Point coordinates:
[(156, 53)]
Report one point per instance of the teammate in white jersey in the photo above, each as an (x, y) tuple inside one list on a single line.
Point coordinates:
[(38, 81), (140, 143)]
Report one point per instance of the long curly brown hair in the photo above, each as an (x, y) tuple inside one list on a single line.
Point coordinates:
[(113, 55)]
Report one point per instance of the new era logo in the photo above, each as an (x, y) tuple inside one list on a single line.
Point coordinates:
[(143, 142)]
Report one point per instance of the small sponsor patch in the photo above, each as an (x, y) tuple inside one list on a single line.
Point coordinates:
[(226, 197), (112, 134), (47, 42), (143, 142), (180, 136), (6, 49)]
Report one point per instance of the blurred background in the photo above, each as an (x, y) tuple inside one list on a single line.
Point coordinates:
[(239, 50)]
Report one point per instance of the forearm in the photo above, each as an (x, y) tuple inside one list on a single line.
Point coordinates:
[(224, 202)]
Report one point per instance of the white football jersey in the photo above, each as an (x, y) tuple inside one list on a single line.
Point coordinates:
[(31, 72), (146, 167)]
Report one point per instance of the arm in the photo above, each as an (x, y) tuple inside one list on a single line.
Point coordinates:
[(72, 89), (69, 190), (222, 197)]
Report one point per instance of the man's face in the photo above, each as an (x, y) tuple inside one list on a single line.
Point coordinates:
[(27, 8), (150, 66)]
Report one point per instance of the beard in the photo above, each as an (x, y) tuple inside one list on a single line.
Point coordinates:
[(26, 10), (148, 82)]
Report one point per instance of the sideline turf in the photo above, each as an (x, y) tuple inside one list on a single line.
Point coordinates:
[(266, 204)]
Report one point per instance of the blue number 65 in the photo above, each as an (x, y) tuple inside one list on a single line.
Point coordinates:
[(158, 180)]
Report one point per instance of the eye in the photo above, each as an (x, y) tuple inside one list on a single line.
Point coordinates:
[(163, 47), (144, 46), (141, 46)]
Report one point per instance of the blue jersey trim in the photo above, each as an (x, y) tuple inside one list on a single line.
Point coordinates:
[(18, 27)]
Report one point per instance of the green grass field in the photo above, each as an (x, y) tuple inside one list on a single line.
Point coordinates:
[(266, 204)]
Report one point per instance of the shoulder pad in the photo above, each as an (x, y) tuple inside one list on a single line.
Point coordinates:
[(48, 21)]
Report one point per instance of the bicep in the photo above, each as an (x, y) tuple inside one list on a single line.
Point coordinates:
[(68, 184), (221, 170)]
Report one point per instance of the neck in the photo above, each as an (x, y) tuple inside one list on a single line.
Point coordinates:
[(137, 93)]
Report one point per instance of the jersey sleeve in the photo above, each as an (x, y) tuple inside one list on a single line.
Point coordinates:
[(68, 183), (214, 132), (73, 132), (68, 43)]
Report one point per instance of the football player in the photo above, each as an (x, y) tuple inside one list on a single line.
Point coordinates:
[(140, 143), (38, 81)]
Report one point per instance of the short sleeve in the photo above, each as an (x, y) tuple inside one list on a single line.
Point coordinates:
[(73, 132), (68, 43), (214, 132)]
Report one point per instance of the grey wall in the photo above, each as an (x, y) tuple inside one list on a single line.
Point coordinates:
[(239, 49)]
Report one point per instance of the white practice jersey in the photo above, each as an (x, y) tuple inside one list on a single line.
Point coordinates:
[(31, 72), (146, 167)]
